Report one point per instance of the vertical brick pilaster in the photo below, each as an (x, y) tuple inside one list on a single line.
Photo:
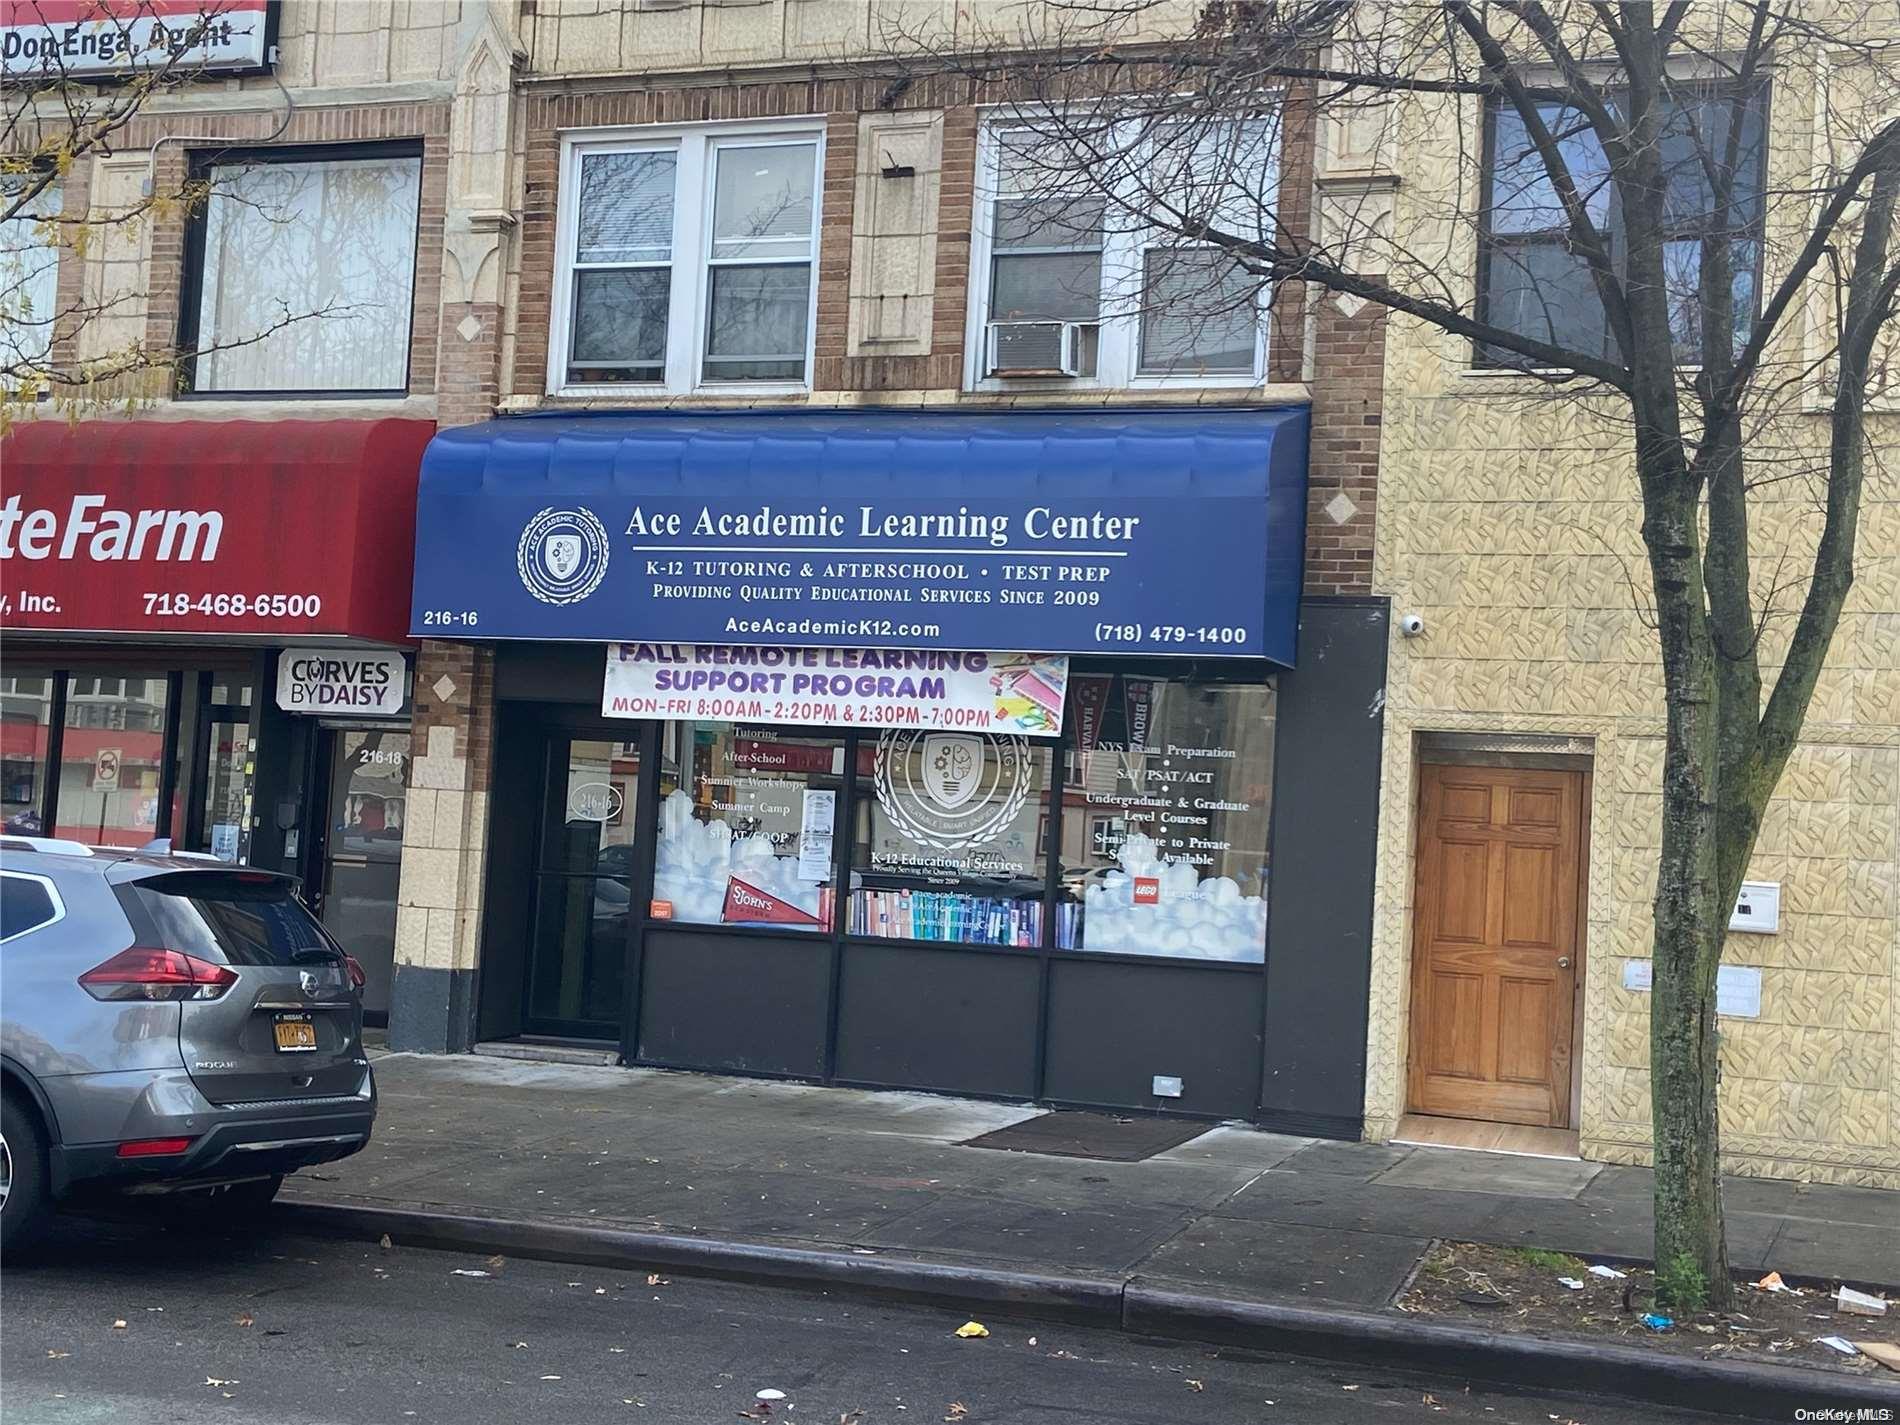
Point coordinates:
[(1343, 470), (444, 849), (467, 376), (69, 297)]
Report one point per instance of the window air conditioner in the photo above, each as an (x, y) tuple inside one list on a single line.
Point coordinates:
[(1035, 349)]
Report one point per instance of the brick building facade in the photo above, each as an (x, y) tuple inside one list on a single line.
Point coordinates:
[(900, 192), (1501, 518), (229, 248)]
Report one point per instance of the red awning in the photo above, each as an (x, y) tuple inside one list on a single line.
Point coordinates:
[(299, 528)]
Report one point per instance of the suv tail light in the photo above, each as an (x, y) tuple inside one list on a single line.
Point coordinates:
[(358, 975), (141, 973), (154, 1147)]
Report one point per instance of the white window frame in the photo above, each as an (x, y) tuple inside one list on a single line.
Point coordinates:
[(52, 893), (695, 146), (1124, 250)]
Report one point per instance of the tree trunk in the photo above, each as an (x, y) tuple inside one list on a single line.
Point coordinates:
[(1690, 922), (1691, 1250)]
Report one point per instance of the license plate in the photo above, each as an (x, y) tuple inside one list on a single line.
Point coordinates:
[(296, 1034)]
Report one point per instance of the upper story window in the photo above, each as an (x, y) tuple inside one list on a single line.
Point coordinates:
[(304, 262), (1533, 283), (687, 260), (1075, 285), (29, 275)]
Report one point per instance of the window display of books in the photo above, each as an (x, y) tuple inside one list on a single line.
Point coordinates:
[(946, 915)]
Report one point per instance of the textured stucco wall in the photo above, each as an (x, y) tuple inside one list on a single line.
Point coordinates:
[(1508, 517)]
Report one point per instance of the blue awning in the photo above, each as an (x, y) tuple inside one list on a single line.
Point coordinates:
[(1140, 531)]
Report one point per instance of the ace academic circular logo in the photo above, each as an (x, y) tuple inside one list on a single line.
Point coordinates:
[(562, 556), (952, 790)]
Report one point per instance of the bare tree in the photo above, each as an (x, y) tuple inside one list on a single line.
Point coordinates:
[(73, 92), (1641, 250)]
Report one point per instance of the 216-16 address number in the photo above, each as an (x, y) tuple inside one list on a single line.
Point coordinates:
[(1168, 633), (178, 605)]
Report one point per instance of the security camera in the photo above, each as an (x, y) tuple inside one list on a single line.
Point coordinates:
[(1411, 625)]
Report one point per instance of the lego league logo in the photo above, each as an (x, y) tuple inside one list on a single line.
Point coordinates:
[(562, 556)]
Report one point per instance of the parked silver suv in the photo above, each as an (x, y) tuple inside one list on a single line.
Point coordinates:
[(167, 1023)]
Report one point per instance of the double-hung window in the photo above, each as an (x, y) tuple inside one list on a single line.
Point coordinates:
[(1533, 282), (305, 265), (688, 260), (1098, 260)]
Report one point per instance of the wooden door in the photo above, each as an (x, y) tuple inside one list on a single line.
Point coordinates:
[(1494, 943)]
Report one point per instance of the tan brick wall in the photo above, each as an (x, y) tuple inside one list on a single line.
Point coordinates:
[(1348, 347), (445, 839), (1509, 518), (615, 36), (838, 102)]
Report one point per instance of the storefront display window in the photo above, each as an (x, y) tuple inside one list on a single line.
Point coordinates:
[(225, 787), (949, 842), (1165, 812), (112, 758), (231, 689), (747, 818), (229, 754), (26, 715)]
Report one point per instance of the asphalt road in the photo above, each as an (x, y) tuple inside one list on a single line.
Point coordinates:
[(126, 1323)]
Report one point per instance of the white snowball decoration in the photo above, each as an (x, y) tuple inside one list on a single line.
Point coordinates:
[(1195, 919), (694, 859)]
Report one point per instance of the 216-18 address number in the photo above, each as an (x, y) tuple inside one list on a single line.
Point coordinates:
[(1168, 633)]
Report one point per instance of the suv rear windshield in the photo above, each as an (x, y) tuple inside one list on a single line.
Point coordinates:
[(239, 919)]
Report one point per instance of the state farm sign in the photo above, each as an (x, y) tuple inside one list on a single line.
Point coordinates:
[(299, 528), (108, 534), (107, 39)]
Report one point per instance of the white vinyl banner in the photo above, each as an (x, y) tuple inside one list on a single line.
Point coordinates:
[(73, 38), (838, 687)]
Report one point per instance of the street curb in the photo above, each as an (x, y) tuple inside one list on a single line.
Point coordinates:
[(1134, 1305), (1091, 1301), (1735, 1388)]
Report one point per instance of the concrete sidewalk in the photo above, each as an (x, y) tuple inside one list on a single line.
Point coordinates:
[(1234, 1212)]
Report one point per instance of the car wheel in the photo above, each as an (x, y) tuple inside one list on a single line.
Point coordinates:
[(22, 1172)]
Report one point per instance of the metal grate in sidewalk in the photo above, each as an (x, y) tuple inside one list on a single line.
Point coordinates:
[(1069, 1133)]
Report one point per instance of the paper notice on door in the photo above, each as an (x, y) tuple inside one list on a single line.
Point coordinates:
[(814, 834), (224, 840)]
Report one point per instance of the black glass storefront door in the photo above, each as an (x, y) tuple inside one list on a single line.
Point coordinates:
[(365, 803), (583, 889)]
